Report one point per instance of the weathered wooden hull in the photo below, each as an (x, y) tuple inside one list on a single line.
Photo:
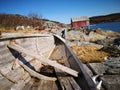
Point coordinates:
[(14, 76)]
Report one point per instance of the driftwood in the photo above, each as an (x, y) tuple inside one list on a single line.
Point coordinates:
[(35, 74), (44, 60)]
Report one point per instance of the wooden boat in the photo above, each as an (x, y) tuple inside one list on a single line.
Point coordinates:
[(40, 62)]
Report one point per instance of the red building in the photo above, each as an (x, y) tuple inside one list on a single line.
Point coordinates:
[(80, 21)]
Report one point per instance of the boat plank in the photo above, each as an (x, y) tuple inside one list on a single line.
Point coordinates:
[(14, 75), (44, 60), (35, 74), (18, 86), (6, 67), (31, 62), (66, 82), (28, 85), (5, 84), (20, 71), (47, 85), (74, 84)]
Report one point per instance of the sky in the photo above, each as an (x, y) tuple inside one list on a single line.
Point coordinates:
[(60, 10)]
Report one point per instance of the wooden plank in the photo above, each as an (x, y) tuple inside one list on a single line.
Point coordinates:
[(36, 64), (5, 84), (13, 75), (7, 77), (32, 63), (6, 59), (44, 60), (66, 82), (7, 66), (26, 77), (51, 51), (28, 61), (74, 84), (84, 80), (35, 74), (28, 85), (16, 74), (47, 85), (18, 86)]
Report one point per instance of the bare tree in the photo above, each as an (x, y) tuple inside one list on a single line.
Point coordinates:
[(36, 19)]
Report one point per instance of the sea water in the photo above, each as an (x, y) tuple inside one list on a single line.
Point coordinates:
[(114, 26)]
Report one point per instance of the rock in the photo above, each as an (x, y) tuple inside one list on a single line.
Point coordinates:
[(75, 35), (105, 42), (92, 37), (85, 31), (78, 43), (114, 50), (117, 41), (113, 71), (111, 82), (113, 66), (109, 33), (109, 41), (99, 31), (111, 45), (100, 68)]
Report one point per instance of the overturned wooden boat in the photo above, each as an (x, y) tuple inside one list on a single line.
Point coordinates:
[(40, 62)]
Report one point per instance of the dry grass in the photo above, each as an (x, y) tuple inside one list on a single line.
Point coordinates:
[(20, 31), (89, 53)]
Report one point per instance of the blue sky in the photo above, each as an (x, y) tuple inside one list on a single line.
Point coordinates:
[(60, 10)]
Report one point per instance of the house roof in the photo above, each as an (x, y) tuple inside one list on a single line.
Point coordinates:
[(82, 18)]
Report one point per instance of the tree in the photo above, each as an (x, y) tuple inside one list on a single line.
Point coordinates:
[(36, 19)]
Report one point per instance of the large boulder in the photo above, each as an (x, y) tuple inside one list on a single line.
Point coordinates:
[(100, 31), (111, 82), (92, 37), (113, 50), (111, 46), (109, 33), (77, 35), (113, 65)]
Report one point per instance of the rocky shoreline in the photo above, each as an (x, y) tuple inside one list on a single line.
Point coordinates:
[(108, 42)]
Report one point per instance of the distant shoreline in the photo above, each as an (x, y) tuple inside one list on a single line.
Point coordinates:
[(105, 18)]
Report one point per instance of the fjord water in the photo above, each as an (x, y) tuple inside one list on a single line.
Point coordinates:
[(114, 26)]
